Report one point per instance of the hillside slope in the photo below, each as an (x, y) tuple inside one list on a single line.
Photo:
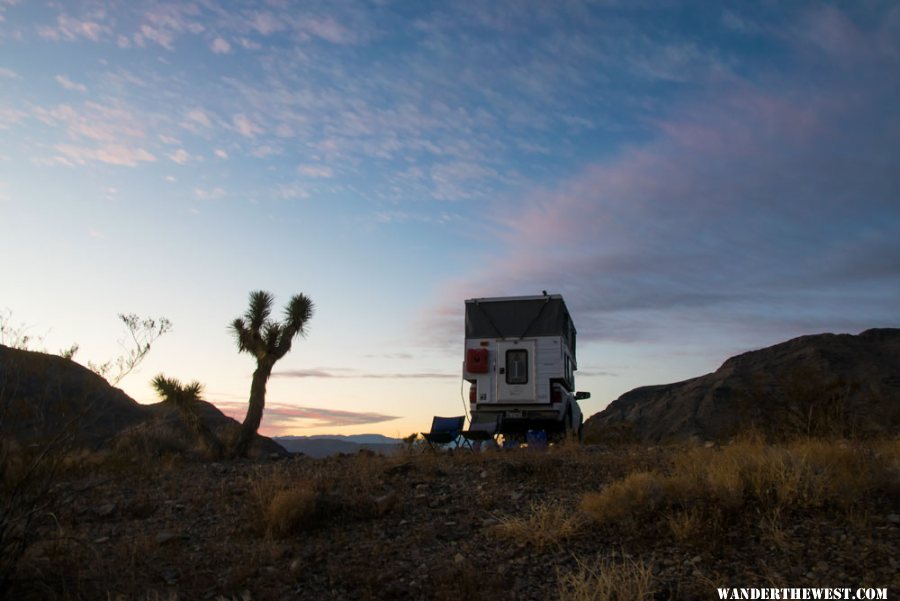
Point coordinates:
[(42, 396), (821, 384)]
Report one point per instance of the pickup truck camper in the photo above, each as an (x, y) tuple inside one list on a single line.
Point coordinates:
[(520, 363)]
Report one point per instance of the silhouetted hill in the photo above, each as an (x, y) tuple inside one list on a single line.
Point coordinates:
[(327, 445), (43, 395), (837, 384)]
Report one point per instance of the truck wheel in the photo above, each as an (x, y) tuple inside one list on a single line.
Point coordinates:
[(568, 426)]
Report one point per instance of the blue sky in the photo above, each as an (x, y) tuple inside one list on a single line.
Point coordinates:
[(697, 179)]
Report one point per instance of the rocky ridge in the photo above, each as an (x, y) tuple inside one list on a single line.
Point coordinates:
[(825, 384), (45, 397)]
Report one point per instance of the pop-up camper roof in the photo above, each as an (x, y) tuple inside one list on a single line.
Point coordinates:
[(518, 317)]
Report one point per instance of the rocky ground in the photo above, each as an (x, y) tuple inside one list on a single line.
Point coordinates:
[(493, 525)]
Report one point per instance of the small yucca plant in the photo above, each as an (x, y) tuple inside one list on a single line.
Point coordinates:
[(185, 398)]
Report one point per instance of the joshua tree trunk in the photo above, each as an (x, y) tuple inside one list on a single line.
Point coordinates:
[(256, 406)]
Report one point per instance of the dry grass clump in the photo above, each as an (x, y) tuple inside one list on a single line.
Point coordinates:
[(152, 439), (284, 504), (705, 485), (287, 500), (636, 494), (461, 579), (607, 581), (290, 511), (547, 524)]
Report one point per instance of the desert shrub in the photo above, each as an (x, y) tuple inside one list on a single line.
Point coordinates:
[(26, 479), (290, 511), (152, 439), (547, 524), (887, 452), (284, 504), (630, 497), (686, 525), (705, 485), (612, 434), (462, 579), (606, 581)]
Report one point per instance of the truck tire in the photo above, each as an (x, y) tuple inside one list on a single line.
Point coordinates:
[(568, 427)]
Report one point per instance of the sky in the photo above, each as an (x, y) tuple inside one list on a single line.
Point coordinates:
[(697, 179)]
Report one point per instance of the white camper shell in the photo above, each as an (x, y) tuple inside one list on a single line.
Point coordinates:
[(520, 363)]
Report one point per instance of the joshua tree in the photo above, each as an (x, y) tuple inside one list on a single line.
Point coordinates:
[(185, 398), (268, 341)]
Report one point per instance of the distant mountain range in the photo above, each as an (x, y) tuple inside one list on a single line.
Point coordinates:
[(323, 445)]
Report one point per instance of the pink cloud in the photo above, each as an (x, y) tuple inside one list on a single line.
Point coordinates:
[(109, 123), (245, 126), (266, 23), (280, 417), (220, 46), (69, 84), (330, 30), (324, 372), (69, 29), (735, 199), (112, 154)]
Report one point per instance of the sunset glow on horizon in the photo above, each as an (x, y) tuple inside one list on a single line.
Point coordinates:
[(696, 179)]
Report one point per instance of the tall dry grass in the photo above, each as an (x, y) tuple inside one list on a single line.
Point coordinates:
[(607, 581), (705, 488), (547, 524)]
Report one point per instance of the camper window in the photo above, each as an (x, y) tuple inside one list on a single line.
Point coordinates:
[(517, 366)]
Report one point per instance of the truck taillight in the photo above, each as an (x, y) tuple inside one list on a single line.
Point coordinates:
[(473, 392), (555, 394)]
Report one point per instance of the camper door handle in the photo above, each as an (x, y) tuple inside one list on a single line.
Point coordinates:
[(502, 370)]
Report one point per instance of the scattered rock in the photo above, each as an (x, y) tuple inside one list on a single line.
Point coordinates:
[(165, 537), (170, 575), (105, 510), (386, 503), (296, 568)]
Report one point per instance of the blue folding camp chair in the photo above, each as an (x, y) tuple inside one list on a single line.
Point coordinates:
[(444, 431), (482, 428)]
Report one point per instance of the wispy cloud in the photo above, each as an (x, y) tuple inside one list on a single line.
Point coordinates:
[(162, 24), (351, 373), (111, 123), (70, 28), (737, 212), (244, 126), (112, 154), (209, 194), (287, 416), (266, 23), (220, 46), (199, 117), (69, 84), (10, 117), (180, 156), (281, 417), (315, 171)]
